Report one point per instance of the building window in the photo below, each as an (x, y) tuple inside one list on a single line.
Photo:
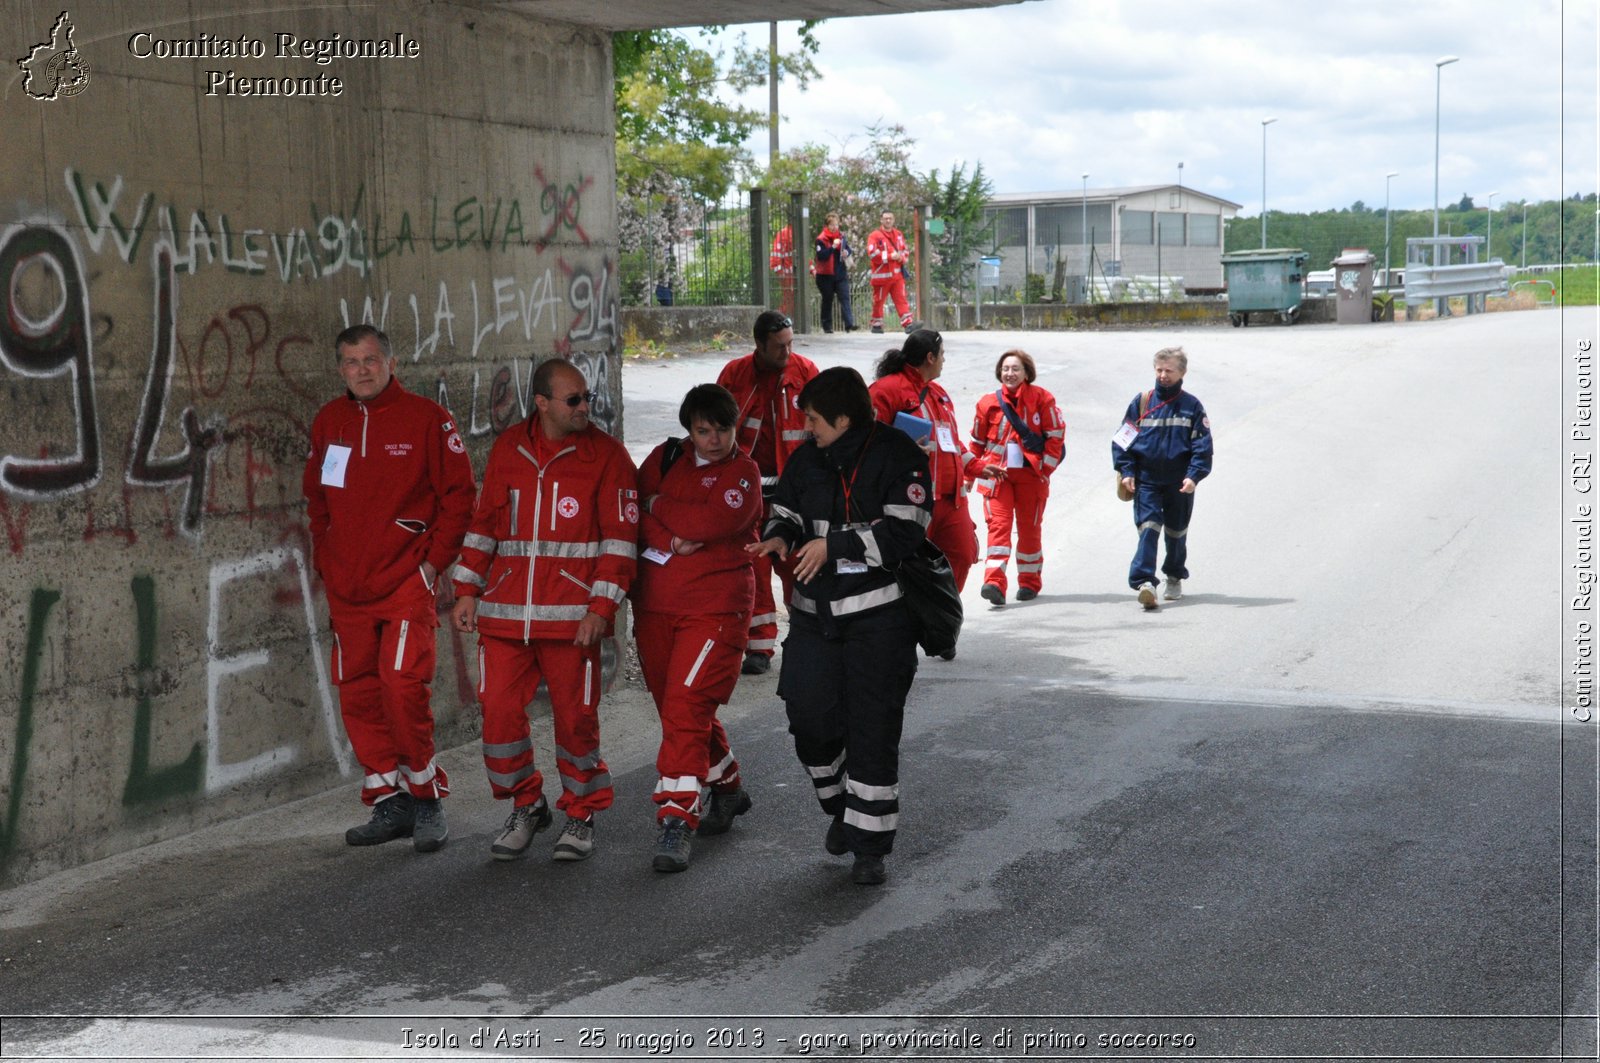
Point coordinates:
[(1205, 230), (1011, 227), (1171, 229), (1138, 227)]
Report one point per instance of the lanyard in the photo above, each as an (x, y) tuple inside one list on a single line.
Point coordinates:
[(1153, 409), (847, 486)]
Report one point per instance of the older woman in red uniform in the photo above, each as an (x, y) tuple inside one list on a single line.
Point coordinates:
[(1018, 439), (692, 597), (906, 384)]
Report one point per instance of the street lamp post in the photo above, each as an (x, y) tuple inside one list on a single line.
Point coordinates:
[(1387, 265), (1440, 305), (1088, 258), (1488, 244), (1264, 123), (1438, 79), (1524, 233)]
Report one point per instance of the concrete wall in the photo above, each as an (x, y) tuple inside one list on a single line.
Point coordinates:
[(175, 265), (668, 324)]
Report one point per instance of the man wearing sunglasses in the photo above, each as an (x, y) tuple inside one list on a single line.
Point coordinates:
[(546, 561), (766, 384)]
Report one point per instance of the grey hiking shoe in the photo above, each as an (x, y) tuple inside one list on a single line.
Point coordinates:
[(391, 818), (992, 594), (524, 822), (576, 841), (672, 845), (723, 808), (1174, 590), (1147, 597), (429, 829)]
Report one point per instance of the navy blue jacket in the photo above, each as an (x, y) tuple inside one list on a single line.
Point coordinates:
[(891, 505), (1174, 440)]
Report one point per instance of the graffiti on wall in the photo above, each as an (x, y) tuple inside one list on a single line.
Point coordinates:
[(206, 422)]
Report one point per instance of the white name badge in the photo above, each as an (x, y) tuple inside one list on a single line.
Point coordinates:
[(660, 557), (947, 440), (851, 568), (334, 463), (1125, 435), (1014, 458)]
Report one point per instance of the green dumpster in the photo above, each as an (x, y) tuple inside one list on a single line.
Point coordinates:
[(1270, 280)]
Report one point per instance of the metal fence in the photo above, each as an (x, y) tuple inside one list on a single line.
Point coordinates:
[(684, 252)]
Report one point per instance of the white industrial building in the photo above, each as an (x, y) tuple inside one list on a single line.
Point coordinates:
[(1142, 230)]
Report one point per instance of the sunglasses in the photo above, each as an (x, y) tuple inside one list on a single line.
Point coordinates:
[(778, 326), (581, 397)]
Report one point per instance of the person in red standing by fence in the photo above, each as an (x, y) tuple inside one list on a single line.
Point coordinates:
[(887, 252), (782, 263)]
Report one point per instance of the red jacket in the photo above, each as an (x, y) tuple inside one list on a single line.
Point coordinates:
[(1037, 409), (771, 424), (717, 504), (406, 498), (898, 392), (881, 249), (551, 541)]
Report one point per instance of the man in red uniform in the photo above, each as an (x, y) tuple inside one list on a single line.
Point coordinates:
[(388, 492), (886, 250), (545, 563), (692, 613), (766, 384), (782, 263)]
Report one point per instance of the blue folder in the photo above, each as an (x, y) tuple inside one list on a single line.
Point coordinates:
[(918, 428)]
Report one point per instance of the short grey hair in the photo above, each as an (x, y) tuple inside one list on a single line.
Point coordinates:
[(1172, 354), (355, 334)]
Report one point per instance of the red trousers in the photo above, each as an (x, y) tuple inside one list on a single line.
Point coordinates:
[(1019, 499), (952, 531), (509, 673), (764, 617), (383, 657), (691, 664), (893, 287)]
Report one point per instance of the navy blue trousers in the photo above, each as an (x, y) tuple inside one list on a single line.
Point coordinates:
[(1160, 511)]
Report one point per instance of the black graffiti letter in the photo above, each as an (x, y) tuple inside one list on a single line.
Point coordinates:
[(189, 464), (57, 343)]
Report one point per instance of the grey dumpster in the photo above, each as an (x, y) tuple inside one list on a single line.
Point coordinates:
[(1270, 280), (1352, 285)]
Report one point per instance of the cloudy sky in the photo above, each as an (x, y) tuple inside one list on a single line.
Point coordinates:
[(1045, 90)]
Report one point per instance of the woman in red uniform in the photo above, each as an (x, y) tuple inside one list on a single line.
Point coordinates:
[(1018, 439), (905, 384), (691, 620)]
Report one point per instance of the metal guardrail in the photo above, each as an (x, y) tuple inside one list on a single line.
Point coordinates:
[(1550, 301), (1442, 282)]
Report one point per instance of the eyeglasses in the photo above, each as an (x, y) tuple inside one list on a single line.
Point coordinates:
[(578, 399)]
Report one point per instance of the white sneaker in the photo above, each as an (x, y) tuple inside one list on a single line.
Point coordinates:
[(1147, 597), (1174, 590)]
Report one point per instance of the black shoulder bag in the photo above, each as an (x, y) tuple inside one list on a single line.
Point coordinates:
[(1032, 441)]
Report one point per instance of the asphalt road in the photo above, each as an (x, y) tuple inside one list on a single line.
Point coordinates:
[(1325, 806)]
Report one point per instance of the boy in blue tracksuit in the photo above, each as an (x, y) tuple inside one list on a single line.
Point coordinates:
[(1161, 452)]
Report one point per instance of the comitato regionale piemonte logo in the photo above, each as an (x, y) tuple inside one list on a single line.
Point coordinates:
[(55, 68)]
